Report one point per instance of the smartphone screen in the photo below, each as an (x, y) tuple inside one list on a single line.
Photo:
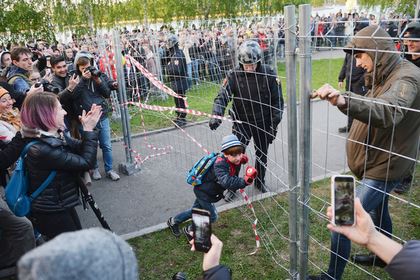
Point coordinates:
[(201, 229), (343, 200)]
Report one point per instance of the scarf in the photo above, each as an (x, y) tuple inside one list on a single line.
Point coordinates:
[(12, 117)]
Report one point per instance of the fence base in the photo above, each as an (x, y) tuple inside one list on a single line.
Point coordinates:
[(128, 168)]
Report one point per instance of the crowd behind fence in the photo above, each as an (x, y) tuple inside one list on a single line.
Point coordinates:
[(211, 54)]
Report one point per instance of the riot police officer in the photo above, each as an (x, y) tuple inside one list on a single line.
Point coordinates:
[(177, 73), (257, 103)]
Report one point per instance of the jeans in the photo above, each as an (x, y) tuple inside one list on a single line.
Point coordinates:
[(373, 199), (105, 143), (189, 73), (194, 65), (201, 204)]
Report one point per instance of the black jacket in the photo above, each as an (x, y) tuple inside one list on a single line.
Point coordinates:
[(177, 70), (354, 76), (219, 272), (9, 154), (88, 92), (222, 176), (54, 154), (257, 97)]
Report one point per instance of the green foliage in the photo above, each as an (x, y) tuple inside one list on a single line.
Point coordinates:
[(22, 19), (401, 6)]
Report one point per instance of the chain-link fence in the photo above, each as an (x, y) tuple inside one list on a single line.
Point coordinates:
[(380, 145)]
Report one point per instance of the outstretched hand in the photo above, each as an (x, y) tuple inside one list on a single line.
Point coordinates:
[(91, 118), (327, 92), (362, 231)]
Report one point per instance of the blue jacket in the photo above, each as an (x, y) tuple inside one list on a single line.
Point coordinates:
[(19, 79), (222, 176)]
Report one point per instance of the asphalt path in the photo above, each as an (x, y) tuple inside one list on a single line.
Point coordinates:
[(143, 201), (159, 190)]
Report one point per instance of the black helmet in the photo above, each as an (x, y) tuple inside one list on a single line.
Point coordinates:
[(249, 52), (171, 41)]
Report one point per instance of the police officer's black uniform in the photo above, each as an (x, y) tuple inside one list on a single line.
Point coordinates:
[(258, 104), (177, 73)]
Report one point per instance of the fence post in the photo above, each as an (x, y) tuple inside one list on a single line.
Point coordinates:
[(128, 167), (290, 48), (305, 84)]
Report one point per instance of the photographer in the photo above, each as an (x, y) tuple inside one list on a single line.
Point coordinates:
[(93, 88)]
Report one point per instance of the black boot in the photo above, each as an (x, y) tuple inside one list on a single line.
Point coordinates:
[(368, 260), (260, 186)]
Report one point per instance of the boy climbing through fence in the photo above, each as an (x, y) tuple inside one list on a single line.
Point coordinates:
[(221, 176)]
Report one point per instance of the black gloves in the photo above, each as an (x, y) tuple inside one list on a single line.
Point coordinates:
[(214, 123)]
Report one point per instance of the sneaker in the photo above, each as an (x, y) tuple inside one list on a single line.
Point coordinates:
[(186, 231), (230, 196), (404, 186), (113, 175), (174, 227), (96, 175), (180, 122), (368, 260), (179, 276), (343, 129)]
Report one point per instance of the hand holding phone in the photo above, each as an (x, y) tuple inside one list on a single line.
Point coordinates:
[(201, 229), (342, 200)]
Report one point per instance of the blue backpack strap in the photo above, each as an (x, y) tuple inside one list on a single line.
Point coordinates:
[(43, 185), (47, 181), (26, 148)]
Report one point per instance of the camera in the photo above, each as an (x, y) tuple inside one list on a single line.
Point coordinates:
[(94, 71), (48, 87)]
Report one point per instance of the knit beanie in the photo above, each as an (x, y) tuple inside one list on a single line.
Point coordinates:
[(230, 141), (88, 254)]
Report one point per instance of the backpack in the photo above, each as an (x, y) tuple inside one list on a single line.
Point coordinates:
[(16, 191), (200, 169)]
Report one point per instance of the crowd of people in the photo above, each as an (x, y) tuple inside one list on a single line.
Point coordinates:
[(58, 97)]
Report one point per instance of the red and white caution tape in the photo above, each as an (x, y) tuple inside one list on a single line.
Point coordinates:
[(182, 110), (155, 81), (254, 224)]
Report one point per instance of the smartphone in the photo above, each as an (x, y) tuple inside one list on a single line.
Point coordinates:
[(342, 200), (201, 229)]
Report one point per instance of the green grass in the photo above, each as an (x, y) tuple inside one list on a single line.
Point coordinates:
[(201, 98), (160, 254)]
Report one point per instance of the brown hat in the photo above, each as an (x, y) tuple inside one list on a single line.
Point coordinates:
[(3, 91)]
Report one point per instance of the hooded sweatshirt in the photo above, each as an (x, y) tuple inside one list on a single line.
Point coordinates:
[(88, 254), (382, 122)]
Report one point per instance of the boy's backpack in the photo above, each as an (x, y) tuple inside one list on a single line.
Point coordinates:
[(16, 191), (200, 169)]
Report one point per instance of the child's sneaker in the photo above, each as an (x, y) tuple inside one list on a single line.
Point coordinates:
[(174, 227), (186, 231), (230, 196)]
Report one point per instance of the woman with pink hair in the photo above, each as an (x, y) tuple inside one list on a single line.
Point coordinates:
[(53, 211)]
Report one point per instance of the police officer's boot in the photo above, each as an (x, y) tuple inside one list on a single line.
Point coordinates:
[(260, 185)]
